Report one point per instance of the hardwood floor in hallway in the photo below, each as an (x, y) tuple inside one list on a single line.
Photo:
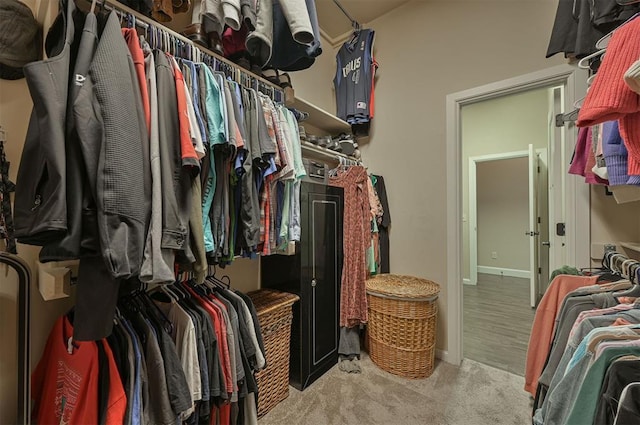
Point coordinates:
[(497, 322)]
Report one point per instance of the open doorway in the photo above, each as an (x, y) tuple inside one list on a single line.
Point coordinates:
[(505, 223), (504, 202), (568, 200), (508, 218)]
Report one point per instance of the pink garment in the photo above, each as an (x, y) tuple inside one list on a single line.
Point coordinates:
[(589, 175), (233, 42), (580, 153), (598, 312), (356, 240), (600, 348), (544, 323), (599, 151)]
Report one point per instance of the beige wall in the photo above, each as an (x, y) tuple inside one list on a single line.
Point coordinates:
[(316, 84), (505, 124), (612, 222), (503, 213), (427, 50)]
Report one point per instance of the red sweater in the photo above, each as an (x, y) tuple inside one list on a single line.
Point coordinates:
[(609, 98)]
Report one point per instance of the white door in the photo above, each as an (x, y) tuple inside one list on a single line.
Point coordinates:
[(533, 231)]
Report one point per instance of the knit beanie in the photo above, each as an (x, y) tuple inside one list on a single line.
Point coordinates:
[(615, 156), (610, 98)]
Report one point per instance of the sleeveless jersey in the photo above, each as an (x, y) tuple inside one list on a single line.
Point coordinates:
[(354, 78)]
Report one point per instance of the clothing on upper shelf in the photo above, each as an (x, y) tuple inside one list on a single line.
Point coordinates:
[(185, 353), (610, 98), (579, 24), (170, 159), (354, 79), (288, 54), (583, 160), (616, 156)]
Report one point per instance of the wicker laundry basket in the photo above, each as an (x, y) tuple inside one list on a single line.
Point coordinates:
[(401, 331), (275, 315)]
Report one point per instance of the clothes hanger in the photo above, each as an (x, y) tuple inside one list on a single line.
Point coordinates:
[(634, 291), (584, 62), (625, 267), (219, 281), (604, 41), (633, 272), (152, 308), (595, 341)]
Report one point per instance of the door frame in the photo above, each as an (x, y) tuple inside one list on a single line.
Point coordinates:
[(576, 199), (473, 206)]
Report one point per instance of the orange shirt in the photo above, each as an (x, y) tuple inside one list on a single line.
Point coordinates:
[(65, 386), (131, 37), (544, 323), (188, 152)]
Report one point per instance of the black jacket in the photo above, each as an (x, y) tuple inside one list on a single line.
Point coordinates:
[(115, 148), (40, 201)]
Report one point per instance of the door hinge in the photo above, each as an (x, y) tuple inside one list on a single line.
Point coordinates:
[(539, 270), (539, 220), (538, 169)]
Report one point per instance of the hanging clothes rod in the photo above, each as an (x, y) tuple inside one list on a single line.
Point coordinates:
[(146, 22), (354, 23), (317, 151)]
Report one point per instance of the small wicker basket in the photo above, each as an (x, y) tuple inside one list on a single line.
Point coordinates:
[(275, 315), (401, 331)]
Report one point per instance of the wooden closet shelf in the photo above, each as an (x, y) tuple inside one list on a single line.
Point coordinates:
[(321, 119), (634, 246)]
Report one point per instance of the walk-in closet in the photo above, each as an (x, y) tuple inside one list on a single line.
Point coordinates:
[(309, 212)]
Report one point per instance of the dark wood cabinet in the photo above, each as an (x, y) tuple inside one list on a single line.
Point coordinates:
[(314, 273)]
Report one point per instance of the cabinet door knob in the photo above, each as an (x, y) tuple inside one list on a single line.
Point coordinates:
[(314, 282)]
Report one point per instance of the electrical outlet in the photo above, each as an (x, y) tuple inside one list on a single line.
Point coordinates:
[(494, 255), (609, 247)]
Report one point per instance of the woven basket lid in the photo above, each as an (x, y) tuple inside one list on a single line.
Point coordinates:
[(399, 286)]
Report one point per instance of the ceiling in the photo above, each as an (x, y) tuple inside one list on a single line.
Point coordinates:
[(334, 24)]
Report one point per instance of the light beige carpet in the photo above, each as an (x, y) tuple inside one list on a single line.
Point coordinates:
[(467, 395)]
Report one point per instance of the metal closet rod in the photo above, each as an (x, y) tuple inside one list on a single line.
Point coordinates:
[(150, 22), (328, 153), (355, 23)]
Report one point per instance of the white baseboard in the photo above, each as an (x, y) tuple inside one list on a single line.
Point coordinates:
[(444, 356), (467, 281), (499, 271)]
